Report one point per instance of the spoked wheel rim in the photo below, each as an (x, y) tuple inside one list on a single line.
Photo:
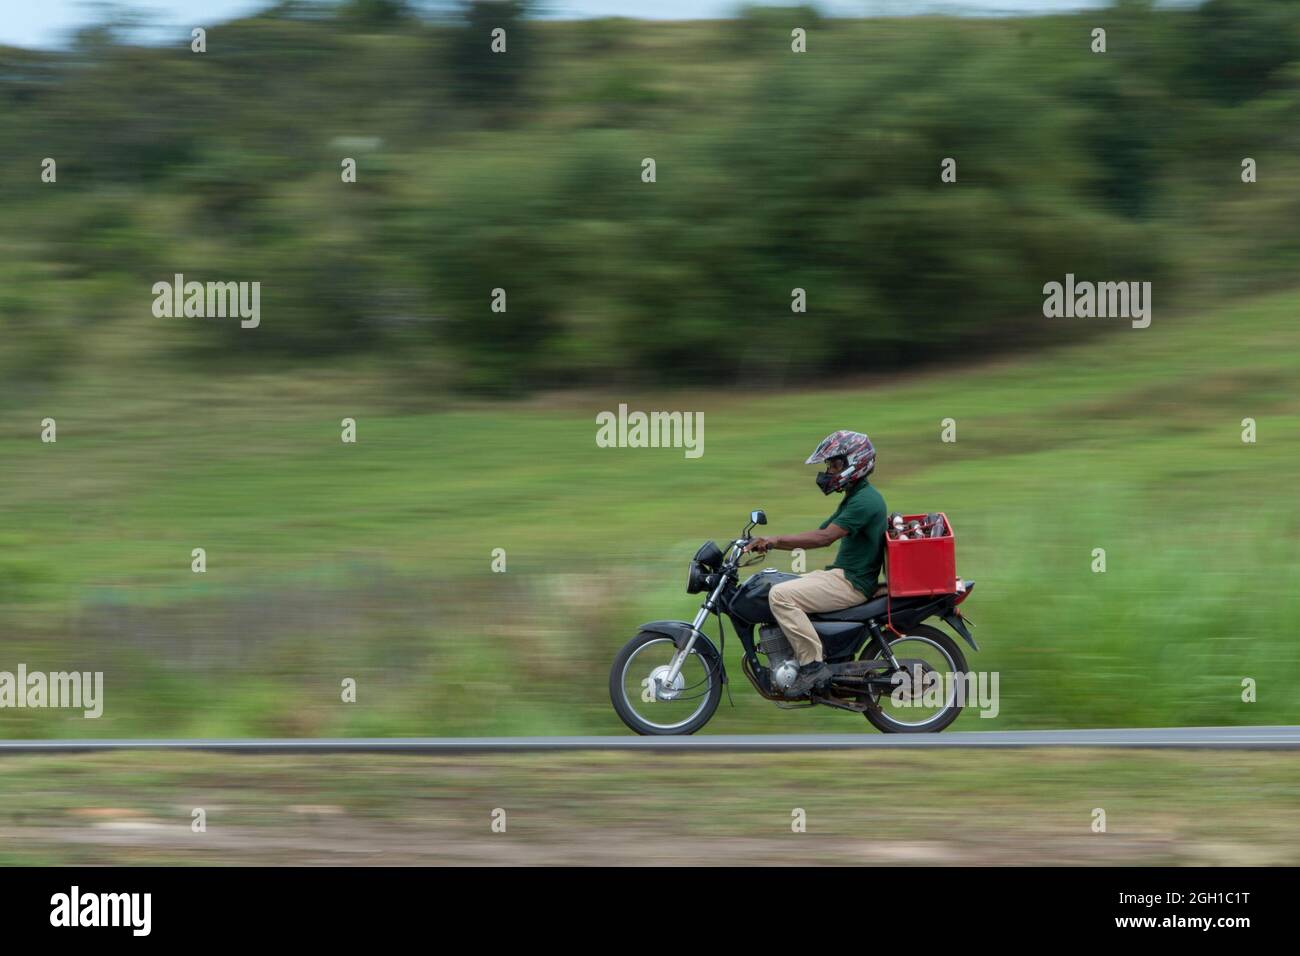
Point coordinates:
[(925, 661), (668, 707)]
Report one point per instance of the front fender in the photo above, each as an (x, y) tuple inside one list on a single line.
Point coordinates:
[(680, 632)]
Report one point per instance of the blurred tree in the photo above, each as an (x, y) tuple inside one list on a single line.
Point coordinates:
[(1237, 48), (481, 76), (376, 13), (766, 29), (775, 171)]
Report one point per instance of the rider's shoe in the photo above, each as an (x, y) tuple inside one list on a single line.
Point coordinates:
[(811, 676)]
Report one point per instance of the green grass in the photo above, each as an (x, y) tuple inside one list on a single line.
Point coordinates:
[(372, 560), (963, 807)]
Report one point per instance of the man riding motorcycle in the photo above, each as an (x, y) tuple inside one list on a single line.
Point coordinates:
[(859, 524)]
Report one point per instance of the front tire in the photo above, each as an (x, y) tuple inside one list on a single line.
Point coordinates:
[(680, 709), (886, 717)]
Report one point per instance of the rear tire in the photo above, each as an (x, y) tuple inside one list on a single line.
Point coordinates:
[(702, 653), (881, 720)]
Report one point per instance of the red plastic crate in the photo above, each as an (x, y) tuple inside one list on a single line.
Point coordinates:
[(921, 566)]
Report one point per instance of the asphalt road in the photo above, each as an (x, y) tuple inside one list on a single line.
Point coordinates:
[(1216, 738)]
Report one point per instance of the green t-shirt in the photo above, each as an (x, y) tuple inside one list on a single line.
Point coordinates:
[(862, 514)]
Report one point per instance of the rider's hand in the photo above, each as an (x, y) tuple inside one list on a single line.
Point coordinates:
[(760, 544)]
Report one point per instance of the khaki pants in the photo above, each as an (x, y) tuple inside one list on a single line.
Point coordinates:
[(815, 591)]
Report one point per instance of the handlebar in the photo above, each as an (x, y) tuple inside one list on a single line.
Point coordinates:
[(734, 560)]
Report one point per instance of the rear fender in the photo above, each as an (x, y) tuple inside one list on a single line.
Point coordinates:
[(955, 621), (944, 608)]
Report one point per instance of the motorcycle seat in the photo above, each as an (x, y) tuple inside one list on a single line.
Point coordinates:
[(865, 611)]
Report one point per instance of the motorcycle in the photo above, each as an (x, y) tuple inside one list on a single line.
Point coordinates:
[(668, 679)]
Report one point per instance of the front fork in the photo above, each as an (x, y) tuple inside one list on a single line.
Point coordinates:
[(706, 609)]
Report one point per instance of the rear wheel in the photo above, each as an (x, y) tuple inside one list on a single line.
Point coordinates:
[(930, 700), (645, 700)]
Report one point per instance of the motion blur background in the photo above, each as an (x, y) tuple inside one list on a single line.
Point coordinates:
[(476, 429)]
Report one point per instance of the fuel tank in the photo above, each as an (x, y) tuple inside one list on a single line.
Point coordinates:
[(750, 601)]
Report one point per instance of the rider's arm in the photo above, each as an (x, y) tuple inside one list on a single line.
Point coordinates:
[(820, 538)]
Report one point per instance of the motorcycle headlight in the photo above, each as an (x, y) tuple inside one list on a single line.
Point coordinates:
[(697, 578), (709, 555)]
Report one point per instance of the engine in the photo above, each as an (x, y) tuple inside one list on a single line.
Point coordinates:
[(780, 655)]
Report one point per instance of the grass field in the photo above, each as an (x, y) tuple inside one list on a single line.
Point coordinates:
[(896, 808), (373, 561)]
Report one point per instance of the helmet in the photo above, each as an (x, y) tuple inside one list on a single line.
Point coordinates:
[(855, 448)]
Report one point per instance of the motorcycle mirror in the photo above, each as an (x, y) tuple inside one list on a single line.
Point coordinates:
[(757, 517)]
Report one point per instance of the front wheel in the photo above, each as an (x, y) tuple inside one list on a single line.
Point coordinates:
[(932, 697), (647, 702)]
